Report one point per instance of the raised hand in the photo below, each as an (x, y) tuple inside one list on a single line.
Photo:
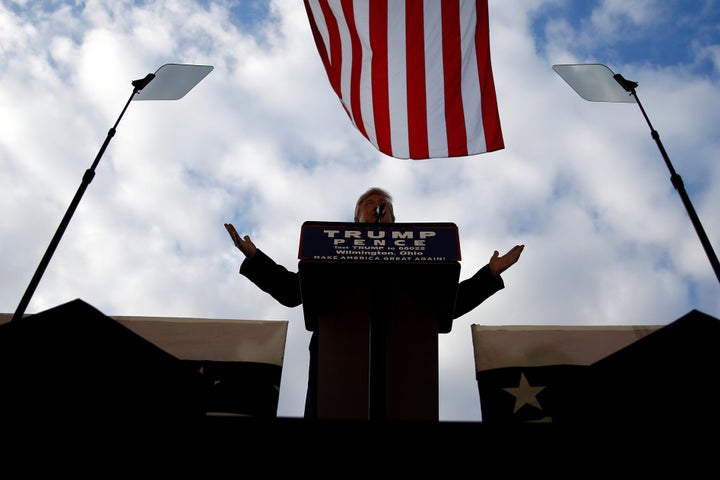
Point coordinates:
[(246, 246), (499, 264)]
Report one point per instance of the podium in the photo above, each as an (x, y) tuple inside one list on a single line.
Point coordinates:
[(377, 296)]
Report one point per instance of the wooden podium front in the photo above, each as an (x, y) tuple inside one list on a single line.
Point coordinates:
[(378, 295)]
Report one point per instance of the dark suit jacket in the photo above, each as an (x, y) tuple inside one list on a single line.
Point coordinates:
[(284, 286)]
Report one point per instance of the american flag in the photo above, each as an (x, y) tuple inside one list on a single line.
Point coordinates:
[(414, 76)]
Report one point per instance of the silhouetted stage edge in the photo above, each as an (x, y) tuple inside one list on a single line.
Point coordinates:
[(73, 360), (94, 378), (295, 445)]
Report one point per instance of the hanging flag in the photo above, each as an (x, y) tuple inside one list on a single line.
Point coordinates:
[(414, 76)]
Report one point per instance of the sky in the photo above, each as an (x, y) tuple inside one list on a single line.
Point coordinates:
[(263, 142)]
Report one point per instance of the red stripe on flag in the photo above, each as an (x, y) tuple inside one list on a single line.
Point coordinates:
[(452, 69), (318, 41), (333, 59), (356, 68), (491, 118), (379, 73), (416, 94)]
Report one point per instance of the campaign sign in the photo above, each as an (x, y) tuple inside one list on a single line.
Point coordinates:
[(381, 242)]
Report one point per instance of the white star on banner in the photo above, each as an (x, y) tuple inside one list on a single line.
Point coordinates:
[(525, 394)]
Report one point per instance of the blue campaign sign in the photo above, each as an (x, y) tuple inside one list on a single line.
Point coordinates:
[(388, 242)]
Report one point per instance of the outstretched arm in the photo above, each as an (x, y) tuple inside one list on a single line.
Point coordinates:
[(486, 281), (278, 281)]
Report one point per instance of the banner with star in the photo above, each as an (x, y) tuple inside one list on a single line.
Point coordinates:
[(240, 361), (517, 367)]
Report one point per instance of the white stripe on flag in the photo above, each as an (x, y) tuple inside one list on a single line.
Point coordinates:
[(471, 94), (435, 84), (397, 80), (362, 24)]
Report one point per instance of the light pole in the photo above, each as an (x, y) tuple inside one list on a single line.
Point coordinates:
[(597, 83), (170, 82)]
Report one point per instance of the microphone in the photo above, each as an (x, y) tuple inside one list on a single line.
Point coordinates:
[(379, 212)]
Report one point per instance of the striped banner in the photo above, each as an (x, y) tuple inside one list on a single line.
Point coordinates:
[(414, 76)]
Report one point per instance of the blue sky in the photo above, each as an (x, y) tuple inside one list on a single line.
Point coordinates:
[(262, 142), (670, 33)]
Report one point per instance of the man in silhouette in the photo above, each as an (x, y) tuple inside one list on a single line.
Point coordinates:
[(373, 206)]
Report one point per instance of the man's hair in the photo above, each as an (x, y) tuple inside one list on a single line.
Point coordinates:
[(374, 191)]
